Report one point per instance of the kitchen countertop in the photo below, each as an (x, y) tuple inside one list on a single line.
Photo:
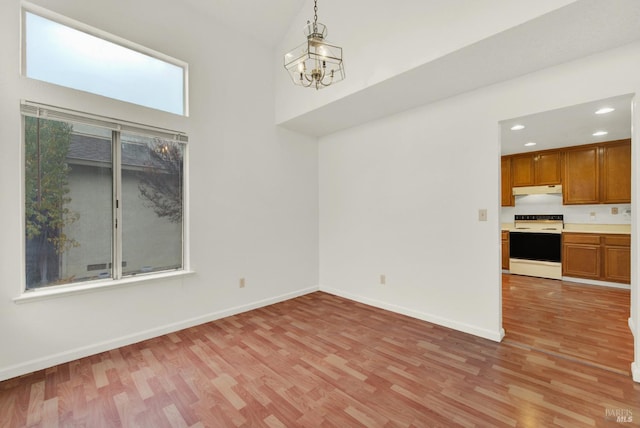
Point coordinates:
[(587, 228)]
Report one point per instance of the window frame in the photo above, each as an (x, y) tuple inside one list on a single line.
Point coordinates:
[(27, 7), (117, 126)]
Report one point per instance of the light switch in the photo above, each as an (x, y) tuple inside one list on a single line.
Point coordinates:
[(482, 214)]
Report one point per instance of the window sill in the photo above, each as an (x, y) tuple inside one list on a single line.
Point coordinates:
[(68, 290)]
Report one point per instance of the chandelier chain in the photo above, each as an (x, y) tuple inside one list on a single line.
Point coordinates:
[(315, 16)]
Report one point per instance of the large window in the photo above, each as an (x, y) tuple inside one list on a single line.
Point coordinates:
[(103, 199), (105, 65)]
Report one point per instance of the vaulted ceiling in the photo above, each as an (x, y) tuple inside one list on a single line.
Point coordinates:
[(265, 20), (581, 28)]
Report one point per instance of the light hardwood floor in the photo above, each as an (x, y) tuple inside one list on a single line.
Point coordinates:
[(322, 361), (581, 322)]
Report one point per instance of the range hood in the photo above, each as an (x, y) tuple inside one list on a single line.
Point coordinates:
[(537, 190)]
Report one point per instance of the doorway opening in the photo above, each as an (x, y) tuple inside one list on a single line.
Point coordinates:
[(583, 152)]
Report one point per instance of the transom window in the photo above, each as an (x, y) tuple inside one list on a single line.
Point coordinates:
[(74, 56), (103, 198)]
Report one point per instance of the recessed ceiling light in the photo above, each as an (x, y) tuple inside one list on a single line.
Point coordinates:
[(530, 143), (605, 110), (599, 133), (517, 127)]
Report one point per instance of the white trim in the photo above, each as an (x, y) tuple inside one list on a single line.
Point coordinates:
[(92, 286), (116, 200), (635, 371), (85, 28), (595, 282), (40, 11), (631, 326), (32, 109), (47, 111), (496, 336), (186, 228), (22, 246), (63, 357)]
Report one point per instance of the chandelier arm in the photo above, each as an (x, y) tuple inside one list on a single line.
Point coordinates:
[(327, 84), (302, 82), (322, 75)]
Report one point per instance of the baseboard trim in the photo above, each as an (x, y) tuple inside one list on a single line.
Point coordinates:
[(96, 348), (496, 336), (635, 371), (586, 281)]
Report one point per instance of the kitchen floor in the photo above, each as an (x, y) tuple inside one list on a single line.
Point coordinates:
[(583, 323)]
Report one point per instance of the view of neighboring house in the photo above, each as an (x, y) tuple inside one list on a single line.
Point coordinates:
[(153, 242)]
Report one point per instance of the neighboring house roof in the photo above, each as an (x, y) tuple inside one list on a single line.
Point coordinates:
[(86, 149), (90, 149)]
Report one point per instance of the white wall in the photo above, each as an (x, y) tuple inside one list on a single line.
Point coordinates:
[(552, 204), (381, 39), (400, 196), (253, 190), (634, 319)]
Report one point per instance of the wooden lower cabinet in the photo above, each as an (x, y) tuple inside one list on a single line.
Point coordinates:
[(505, 249), (603, 257), (581, 255), (617, 258)]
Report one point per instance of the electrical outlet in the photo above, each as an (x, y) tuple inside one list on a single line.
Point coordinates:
[(614, 210), (241, 282), (383, 279), (482, 214)]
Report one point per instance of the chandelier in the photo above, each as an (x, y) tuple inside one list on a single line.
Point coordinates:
[(315, 63)]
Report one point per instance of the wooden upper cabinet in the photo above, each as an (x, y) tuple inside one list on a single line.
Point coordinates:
[(581, 175), (616, 172), (590, 174), (538, 168), (522, 170), (505, 172), (548, 168), (598, 173)]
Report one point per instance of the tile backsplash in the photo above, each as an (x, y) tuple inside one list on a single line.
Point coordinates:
[(552, 204)]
